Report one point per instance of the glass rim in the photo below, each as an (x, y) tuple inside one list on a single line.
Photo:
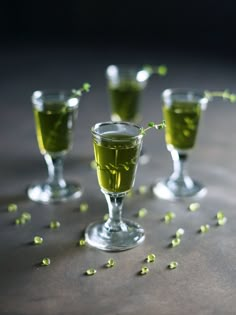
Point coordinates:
[(126, 123), (184, 91), (53, 92)]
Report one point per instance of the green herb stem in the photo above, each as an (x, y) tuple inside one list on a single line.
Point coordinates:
[(153, 125), (225, 95)]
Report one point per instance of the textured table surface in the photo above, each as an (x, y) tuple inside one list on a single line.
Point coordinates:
[(205, 280)]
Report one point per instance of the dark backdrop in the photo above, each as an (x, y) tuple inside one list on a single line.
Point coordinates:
[(196, 26)]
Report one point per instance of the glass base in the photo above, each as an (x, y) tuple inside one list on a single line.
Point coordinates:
[(170, 190), (131, 235), (45, 193)]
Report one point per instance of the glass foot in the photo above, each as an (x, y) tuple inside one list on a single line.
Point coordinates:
[(170, 190), (45, 193), (131, 235)]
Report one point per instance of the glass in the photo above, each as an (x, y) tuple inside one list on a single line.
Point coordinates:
[(125, 85), (182, 109), (55, 114), (117, 147)]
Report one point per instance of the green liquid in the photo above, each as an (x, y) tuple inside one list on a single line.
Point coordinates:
[(125, 101), (116, 162), (182, 120), (54, 127)]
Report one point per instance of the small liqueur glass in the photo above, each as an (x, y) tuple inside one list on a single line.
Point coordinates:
[(55, 114), (125, 84), (117, 147), (182, 109)]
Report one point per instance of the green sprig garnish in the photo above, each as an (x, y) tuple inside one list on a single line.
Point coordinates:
[(161, 70), (153, 125), (225, 95), (85, 88)]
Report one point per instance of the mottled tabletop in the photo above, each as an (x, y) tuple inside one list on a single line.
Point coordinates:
[(204, 281)]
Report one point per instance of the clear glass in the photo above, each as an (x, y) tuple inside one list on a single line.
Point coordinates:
[(55, 114), (125, 84), (182, 109), (117, 147)]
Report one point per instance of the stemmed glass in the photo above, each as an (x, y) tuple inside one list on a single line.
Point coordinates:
[(182, 110), (55, 114), (125, 85), (117, 147)]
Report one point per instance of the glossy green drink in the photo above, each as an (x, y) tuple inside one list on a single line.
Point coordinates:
[(116, 155), (125, 99), (54, 126), (182, 119)]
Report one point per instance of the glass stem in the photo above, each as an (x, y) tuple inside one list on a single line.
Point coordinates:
[(115, 205), (180, 174), (55, 170)]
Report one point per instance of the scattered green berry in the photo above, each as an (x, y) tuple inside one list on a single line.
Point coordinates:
[(173, 265), (82, 242), (93, 165), (144, 270), (169, 216), (91, 272), (179, 233), (45, 262), (12, 207), (143, 189), (194, 206), (26, 216), (151, 258), (83, 207), (175, 242), (222, 221), (38, 240), (110, 263), (106, 217), (54, 225), (142, 212), (204, 228)]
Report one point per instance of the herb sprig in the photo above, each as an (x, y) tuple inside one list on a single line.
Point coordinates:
[(153, 125), (161, 70), (85, 88), (225, 95)]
